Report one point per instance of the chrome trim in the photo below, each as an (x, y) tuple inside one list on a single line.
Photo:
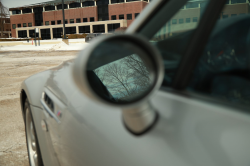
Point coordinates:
[(47, 109), (54, 98)]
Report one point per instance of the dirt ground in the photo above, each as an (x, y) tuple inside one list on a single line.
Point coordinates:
[(14, 68)]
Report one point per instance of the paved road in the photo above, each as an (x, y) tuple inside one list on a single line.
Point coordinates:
[(14, 68)]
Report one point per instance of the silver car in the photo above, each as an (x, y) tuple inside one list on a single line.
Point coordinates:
[(173, 90)]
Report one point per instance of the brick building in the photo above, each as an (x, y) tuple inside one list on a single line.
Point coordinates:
[(81, 16), (5, 28)]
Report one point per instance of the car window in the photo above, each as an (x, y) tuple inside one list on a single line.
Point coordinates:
[(174, 36), (223, 70)]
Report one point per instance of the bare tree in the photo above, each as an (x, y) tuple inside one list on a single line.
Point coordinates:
[(4, 13), (139, 70), (126, 78)]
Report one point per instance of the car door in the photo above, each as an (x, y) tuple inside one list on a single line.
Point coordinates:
[(205, 89), (193, 129)]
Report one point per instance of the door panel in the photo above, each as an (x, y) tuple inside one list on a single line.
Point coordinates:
[(53, 111)]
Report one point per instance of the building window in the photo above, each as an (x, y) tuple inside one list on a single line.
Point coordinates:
[(74, 5), (24, 25), (59, 7), (195, 19), (49, 8), (192, 5), (30, 24), (85, 19), (129, 16), (121, 17), (53, 23), (225, 16), (59, 21), (66, 21), (233, 15), (187, 20), (174, 21), (117, 1), (78, 20), (88, 3), (13, 26), (136, 14), (99, 28), (181, 21), (113, 27), (238, 1), (46, 22), (92, 19), (16, 12), (84, 29), (18, 25), (113, 17), (72, 21)]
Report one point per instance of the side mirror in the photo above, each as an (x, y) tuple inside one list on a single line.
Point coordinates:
[(122, 71)]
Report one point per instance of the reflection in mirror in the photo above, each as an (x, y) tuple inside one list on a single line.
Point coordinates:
[(120, 72)]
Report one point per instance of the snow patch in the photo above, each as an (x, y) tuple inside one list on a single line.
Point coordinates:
[(62, 45)]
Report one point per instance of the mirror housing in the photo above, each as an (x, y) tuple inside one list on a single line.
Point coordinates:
[(139, 73)]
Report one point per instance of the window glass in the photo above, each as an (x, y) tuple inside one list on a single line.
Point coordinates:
[(238, 1), (225, 16), (30, 24), (59, 21), (136, 14), (66, 21), (24, 25), (129, 16), (46, 22), (172, 39), (195, 19), (92, 19), (223, 69), (174, 21), (53, 22), (88, 3), (117, 1), (13, 26), (85, 19), (113, 17), (121, 17), (192, 4), (72, 21), (78, 20), (18, 25)]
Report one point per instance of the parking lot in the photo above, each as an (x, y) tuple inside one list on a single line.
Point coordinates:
[(14, 68)]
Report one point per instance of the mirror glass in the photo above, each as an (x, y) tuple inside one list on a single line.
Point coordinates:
[(120, 72)]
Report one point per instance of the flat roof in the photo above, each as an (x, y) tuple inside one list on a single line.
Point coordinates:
[(48, 3)]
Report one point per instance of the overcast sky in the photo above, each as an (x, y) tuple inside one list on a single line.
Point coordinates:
[(17, 3)]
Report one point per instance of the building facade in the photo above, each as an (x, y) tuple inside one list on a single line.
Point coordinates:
[(190, 14), (5, 28), (81, 16)]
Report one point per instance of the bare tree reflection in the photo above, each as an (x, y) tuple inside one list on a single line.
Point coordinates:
[(126, 78)]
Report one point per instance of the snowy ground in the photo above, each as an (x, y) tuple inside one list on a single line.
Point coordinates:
[(45, 45)]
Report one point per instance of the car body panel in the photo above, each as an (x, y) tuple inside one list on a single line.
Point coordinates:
[(189, 131)]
